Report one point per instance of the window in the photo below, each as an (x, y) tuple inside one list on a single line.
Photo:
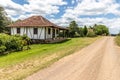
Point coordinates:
[(18, 30), (35, 30), (49, 31)]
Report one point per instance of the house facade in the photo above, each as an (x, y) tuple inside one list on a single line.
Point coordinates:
[(36, 27)]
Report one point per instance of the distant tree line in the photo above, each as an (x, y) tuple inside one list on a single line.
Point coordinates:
[(91, 31)]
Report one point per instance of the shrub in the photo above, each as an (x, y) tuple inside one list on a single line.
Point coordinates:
[(26, 41), (1, 42), (91, 34), (77, 34), (2, 49), (12, 43)]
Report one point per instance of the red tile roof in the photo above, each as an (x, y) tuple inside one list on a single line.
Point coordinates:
[(35, 21)]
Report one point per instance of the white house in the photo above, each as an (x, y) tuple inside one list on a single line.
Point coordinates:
[(36, 27)]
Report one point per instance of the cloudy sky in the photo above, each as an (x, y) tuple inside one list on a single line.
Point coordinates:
[(61, 12)]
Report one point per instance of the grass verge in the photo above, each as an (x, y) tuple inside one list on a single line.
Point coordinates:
[(18, 65), (117, 40)]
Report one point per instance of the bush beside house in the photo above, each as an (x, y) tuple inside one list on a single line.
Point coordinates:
[(12, 43)]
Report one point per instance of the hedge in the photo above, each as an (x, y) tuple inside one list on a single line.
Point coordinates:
[(10, 43)]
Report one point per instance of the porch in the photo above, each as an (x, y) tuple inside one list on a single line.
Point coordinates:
[(42, 41)]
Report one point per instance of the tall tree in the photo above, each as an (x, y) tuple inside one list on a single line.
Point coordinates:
[(101, 30), (4, 20), (73, 28), (85, 30), (81, 32)]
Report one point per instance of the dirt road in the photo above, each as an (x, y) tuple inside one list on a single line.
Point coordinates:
[(98, 61)]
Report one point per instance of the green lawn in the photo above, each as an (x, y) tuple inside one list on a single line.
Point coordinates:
[(24, 63)]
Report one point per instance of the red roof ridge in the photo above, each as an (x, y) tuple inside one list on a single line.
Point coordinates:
[(35, 21)]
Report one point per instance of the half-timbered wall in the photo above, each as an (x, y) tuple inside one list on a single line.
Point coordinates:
[(48, 36), (13, 31), (29, 32)]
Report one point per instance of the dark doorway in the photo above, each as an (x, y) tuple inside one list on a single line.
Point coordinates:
[(53, 35)]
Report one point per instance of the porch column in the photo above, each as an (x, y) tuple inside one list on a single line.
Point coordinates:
[(45, 33), (59, 33), (52, 33), (63, 33), (55, 33)]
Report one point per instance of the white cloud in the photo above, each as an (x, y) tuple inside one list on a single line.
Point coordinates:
[(112, 24), (90, 8), (83, 7), (44, 7), (73, 1), (12, 8), (41, 7)]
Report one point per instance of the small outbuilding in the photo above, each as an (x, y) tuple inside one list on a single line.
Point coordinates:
[(37, 28)]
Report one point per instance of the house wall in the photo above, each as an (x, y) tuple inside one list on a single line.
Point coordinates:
[(29, 32), (48, 36), (13, 31), (56, 35), (31, 35)]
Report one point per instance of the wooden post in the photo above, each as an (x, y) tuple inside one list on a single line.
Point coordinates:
[(55, 33), (59, 33), (45, 33), (52, 32), (63, 33)]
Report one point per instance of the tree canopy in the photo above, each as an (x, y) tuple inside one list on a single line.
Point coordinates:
[(4, 20), (85, 30), (73, 28), (101, 30)]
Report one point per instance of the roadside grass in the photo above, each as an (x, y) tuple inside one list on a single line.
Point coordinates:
[(18, 65), (117, 40)]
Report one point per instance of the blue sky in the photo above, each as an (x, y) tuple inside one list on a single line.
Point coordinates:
[(62, 12)]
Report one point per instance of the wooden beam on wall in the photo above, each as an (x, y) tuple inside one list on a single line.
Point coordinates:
[(45, 33)]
